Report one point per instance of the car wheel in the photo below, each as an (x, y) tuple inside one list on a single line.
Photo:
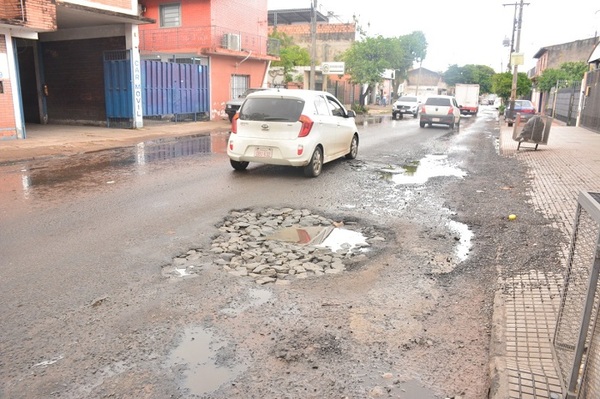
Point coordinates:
[(415, 115), (353, 148), (422, 124), (237, 165), (451, 125), (315, 166)]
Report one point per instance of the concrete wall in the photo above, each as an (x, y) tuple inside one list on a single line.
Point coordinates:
[(332, 39)]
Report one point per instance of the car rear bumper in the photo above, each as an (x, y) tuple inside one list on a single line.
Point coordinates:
[(241, 150), (441, 119)]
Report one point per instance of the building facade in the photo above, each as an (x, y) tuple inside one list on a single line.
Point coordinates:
[(229, 36), (51, 59)]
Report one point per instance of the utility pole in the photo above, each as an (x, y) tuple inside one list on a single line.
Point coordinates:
[(512, 40), (513, 91), (313, 46)]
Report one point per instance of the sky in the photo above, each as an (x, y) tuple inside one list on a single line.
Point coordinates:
[(465, 32)]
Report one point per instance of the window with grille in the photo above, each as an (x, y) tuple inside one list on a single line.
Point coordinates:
[(170, 15)]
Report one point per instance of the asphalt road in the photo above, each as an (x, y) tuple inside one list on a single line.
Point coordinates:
[(86, 311)]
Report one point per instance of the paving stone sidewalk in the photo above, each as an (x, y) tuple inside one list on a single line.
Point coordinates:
[(527, 304)]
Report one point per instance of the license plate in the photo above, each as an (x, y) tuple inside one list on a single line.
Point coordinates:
[(263, 152), (435, 119)]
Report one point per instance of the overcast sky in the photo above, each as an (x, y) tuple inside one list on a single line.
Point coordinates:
[(467, 31)]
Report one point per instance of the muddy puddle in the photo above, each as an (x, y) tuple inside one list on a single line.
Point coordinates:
[(204, 361), (334, 238), (419, 172)]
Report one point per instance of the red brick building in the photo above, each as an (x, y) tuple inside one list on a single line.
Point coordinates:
[(230, 36)]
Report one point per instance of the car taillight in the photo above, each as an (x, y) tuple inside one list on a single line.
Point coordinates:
[(451, 111), (307, 125), (234, 123), (423, 110)]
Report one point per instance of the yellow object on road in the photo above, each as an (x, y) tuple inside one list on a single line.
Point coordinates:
[(512, 217)]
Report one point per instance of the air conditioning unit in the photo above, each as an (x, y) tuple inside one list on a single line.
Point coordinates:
[(232, 41)]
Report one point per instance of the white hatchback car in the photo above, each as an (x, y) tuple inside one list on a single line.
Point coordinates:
[(302, 128), (440, 109)]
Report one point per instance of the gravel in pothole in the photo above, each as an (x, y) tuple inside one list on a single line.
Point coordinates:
[(278, 246)]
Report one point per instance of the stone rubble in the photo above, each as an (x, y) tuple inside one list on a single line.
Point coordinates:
[(247, 246)]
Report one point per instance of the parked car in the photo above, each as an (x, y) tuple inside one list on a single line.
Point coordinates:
[(406, 105), (232, 106), (440, 110), (302, 128), (524, 108)]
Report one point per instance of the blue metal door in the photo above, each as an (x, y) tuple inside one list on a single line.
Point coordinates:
[(178, 89), (118, 90)]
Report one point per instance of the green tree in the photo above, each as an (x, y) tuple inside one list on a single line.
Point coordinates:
[(502, 84), (366, 60), (568, 72), (290, 54), (410, 48), (470, 74)]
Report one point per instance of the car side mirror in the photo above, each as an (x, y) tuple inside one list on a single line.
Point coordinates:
[(351, 114)]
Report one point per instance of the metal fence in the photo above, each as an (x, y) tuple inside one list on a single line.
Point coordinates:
[(577, 336), (590, 112), (563, 102)]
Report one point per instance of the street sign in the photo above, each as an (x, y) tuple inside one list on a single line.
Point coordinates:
[(517, 59), (333, 68)]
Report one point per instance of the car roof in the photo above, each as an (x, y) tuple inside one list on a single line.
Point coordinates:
[(295, 93)]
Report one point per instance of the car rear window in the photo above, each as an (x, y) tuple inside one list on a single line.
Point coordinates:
[(408, 99), (438, 101), (271, 109), (523, 104)]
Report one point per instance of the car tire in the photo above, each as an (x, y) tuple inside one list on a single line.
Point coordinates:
[(422, 124), (353, 148), (451, 125), (415, 115), (315, 166), (238, 165)]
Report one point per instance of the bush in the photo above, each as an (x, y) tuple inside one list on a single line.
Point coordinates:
[(501, 109), (359, 109)]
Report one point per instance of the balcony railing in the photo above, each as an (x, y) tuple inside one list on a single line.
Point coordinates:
[(13, 11), (205, 38)]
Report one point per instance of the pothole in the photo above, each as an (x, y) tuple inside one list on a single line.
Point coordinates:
[(419, 172), (278, 246)]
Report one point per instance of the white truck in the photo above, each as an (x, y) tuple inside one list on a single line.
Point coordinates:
[(467, 96)]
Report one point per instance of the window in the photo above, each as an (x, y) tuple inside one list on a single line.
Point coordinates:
[(170, 15), (335, 107), (239, 84)]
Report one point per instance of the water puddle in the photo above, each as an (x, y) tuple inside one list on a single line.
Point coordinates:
[(464, 236), (204, 360), (334, 238), (419, 172), (344, 240), (97, 169), (162, 149)]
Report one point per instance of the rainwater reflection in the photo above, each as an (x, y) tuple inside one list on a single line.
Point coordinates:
[(80, 172), (203, 358), (419, 172)]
